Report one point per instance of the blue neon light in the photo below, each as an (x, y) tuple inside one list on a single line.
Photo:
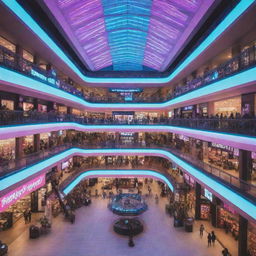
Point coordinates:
[(12, 77), (84, 175), (240, 8), (237, 200)]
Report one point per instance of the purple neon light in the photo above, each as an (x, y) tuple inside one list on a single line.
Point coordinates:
[(169, 19), (132, 32), (86, 20)]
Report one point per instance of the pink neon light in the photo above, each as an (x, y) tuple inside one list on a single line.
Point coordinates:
[(13, 196)]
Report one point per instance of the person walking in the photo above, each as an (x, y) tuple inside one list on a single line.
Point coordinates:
[(213, 238), (225, 252), (209, 238), (201, 230), (29, 215), (25, 215)]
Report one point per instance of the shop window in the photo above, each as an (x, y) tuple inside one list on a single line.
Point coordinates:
[(7, 44), (7, 104), (27, 56)]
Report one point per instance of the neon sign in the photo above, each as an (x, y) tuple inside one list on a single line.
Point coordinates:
[(43, 77), (13, 196)]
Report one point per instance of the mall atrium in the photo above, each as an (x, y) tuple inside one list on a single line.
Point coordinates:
[(127, 127)]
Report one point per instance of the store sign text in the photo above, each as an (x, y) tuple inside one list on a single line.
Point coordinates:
[(21, 191), (43, 77)]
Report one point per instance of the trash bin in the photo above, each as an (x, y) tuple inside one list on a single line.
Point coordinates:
[(3, 249), (189, 224), (34, 232), (177, 223)]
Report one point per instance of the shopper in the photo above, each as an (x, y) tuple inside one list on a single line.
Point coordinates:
[(213, 238), (25, 215), (209, 238), (29, 215), (225, 252), (201, 230)]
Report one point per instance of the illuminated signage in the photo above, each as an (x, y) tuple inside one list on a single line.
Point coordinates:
[(21, 191), (208, 194), (43, 77), (218, 145), (125, 90)]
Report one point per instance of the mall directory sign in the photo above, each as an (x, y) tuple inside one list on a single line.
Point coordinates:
[(16, 194)]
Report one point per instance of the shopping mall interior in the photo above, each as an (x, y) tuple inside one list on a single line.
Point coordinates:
[(127, 127)]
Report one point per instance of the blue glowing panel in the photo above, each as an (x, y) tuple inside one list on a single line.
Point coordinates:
[(127, 25)]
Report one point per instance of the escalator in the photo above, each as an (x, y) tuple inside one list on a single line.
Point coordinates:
[(69, 215)]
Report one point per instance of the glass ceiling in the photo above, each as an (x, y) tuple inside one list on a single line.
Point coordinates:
[(128, 34)]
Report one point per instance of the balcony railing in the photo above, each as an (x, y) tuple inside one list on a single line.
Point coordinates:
[(176, 180), (223, 176), (238, 126), (246, 59)]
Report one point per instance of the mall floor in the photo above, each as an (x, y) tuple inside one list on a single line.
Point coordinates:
[(92, 235)]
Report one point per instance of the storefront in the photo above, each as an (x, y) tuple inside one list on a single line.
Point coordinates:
[(223, 156), (128, 138), (228, 219), (44, 140), (123, 116), (14, 203), (202, 109), (227, 106), (62, 109), (252, 238), (28, 144), (7, 150), (188, 111), (7, 104)]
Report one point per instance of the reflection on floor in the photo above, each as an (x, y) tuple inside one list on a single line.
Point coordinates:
[(92, 235)]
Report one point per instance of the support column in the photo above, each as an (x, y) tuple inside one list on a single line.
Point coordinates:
[(245, 164), (50, 106), (35, 103), (198, 202), (242, 237), (69, 110), (19, 52), (36, 142), (19, 150), (248, 104)]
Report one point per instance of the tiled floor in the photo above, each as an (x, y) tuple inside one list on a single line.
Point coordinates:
[(92, 235)]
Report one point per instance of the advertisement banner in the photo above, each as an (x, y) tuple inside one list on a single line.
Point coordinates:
[(27, 188)]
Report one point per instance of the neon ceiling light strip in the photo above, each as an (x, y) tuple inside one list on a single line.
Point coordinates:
[(234, 140), (121, 172), (240, 8), (214, 186), (12, 77)]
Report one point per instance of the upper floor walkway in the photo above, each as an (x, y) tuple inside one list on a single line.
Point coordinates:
[(28, 161), (236, 195), (236, 125), (214, 81)]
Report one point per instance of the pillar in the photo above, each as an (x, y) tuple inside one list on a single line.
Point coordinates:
[(242, 237), (198, 201), (245, 164), (69, 110), (19, 52), (35, 103), (50, 106), (19, 153), (248, 104), (36, 142), (36, 60)]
